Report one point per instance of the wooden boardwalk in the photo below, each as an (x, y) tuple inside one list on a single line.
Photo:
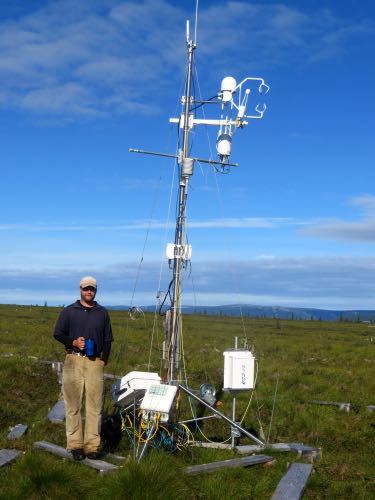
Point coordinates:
[(17, 431), (7, 456), (57, 413), (235, 462), (292, 485), (308, 452), (100, 465)]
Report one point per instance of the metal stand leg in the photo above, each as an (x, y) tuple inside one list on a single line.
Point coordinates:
[(234, 431), (222, 416), (144, 448), (134, 422)]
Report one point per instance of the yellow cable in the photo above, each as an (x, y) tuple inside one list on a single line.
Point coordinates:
[(165, 429)]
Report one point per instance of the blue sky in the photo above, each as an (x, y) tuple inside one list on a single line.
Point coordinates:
[(294, 225)]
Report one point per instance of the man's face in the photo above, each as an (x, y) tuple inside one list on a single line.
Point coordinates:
[(88, 294)]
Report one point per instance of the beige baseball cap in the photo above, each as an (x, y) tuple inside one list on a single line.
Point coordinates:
[(88, 281)]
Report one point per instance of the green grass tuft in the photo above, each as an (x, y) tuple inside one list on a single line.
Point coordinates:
[(311, 360)]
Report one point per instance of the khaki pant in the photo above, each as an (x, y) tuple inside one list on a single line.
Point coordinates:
[(82, 375)]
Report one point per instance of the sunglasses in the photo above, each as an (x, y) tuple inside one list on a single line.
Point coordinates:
[(89, 289)]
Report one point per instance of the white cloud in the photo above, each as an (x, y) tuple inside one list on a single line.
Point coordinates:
[(105, 56), (272, 34), (69, 98), (244, 222), (324, 282), (362, 230)]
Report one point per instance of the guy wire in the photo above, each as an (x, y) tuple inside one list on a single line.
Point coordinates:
[(261, 431), (203, 112), (196, 22), (162, 264), (252, 394), (220, 201), (236, 280), (158, 307), (273, 408), (150, 220)]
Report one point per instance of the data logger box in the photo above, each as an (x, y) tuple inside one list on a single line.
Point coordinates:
[(238, 370), (158, 400), (133, 386)]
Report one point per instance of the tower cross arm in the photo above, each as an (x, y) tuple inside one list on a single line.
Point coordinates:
[(202, 121)]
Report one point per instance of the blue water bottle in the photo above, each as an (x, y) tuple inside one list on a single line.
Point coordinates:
[(90, 347)]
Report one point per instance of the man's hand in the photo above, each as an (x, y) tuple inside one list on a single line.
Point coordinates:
[(80, 343)]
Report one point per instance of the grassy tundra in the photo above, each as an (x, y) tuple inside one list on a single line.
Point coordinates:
[(305, 360)]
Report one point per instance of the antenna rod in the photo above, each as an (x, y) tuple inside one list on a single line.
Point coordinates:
[(191, 48), (169, 155)]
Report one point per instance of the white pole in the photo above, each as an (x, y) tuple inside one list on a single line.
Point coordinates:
[(234, 431)]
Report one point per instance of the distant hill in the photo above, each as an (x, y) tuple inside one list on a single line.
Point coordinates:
[(254, 311)]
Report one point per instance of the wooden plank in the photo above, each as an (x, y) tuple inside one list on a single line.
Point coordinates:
[(57, 413), (255, 448), (57, 366), (221, 446), (341, 406), (116, 457), (53, 448), (235, 462), (17, 431), (308, 452), (292, 485), (7, 456), (99, 465)]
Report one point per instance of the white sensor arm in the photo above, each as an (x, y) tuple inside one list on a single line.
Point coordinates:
[(254, 79), (229, 92)]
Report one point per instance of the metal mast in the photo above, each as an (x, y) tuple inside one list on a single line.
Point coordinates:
[(186, 170), (233, 100)]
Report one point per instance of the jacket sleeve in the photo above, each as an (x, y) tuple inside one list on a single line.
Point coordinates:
[(108, 339), (61, 332)]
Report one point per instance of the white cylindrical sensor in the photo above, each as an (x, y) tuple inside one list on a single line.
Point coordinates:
[(187, 166), (241, 111), (224, 145), (228, 85)]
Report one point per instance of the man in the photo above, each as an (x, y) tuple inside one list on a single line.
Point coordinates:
[(85, 319)]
